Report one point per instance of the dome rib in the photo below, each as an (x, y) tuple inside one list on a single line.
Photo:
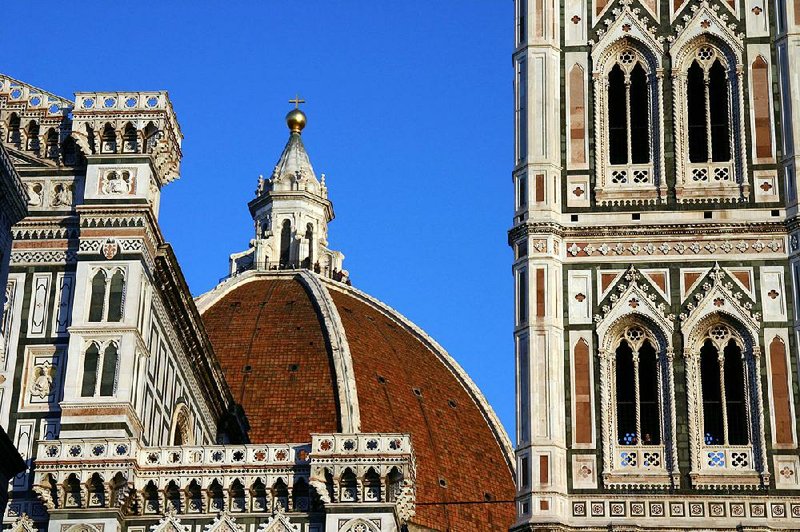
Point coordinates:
[(349, 411)]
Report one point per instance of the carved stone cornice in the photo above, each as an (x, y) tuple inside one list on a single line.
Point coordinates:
[(653, 230)]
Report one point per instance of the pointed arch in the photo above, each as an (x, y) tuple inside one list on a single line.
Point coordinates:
[(280, 495), (348, 486), (182, 427), (708, 110), (372, 486), (723, 384), (628, 106), (359, 525)]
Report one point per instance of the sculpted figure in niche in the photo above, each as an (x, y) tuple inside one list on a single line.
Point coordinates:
[(35, 194), (42, 380), (117, 183), (62, 195)]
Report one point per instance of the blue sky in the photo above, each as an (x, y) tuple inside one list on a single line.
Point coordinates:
[(410, 118)]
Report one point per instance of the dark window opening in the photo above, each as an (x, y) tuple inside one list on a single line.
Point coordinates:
[(648, 395), (640, 117), (696, 106), (109, 375), (718, 104), (626, 396), (617, 117), (286, 243), (712, 395), (98, 297), (735, 396), (90, 361), (115, 297)]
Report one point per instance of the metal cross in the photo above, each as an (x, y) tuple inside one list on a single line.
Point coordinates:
[(297, 101)]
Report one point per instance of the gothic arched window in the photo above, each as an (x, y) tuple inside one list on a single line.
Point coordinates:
[(90, 361), (725, 417), (627, 112), (99, 362), (107, 299), (628, 124), (97, 300), (115, 296), (637, 401), (108, 377), (709, 120), (709, 106)]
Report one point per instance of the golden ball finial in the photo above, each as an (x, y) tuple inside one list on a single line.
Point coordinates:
[(296, 120)]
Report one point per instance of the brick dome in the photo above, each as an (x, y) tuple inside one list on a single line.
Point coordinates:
[(305, 355)]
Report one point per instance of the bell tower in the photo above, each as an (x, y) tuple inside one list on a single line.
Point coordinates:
[(291, 212)]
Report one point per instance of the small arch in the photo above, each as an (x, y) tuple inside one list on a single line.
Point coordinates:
[(280, 495), (130, 143), (32, 134), (372, 486), (258, 495), (150, 136), (216, 500), (194, 497), (108, 140), (91, 139), (172, 497), (14, 130), (69, 152), (96, 491), (182, 429), (51, 144), (394, 483), (237, 498), (118, 485), (72, 492), (309, 237), (300, 492), (152, 504), (348, 486)]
